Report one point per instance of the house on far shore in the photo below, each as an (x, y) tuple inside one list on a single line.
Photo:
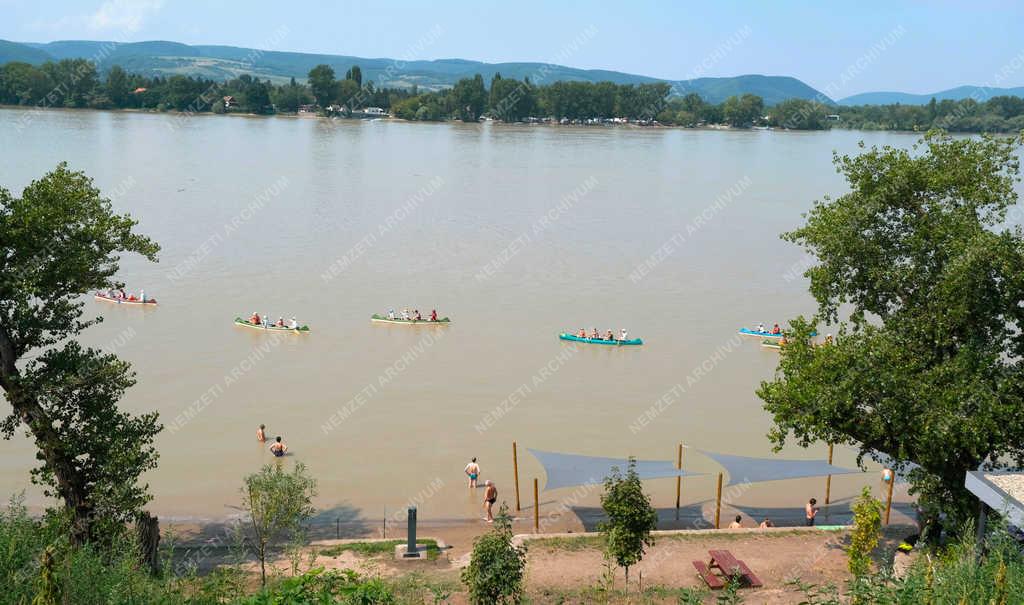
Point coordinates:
[(834, 117), (307, 108), (230, 102), (373, 111)]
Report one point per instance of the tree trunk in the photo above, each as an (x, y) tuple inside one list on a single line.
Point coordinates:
[(147, 529), (263, 565)]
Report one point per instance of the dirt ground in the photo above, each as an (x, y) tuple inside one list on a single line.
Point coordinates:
[(570, 568)]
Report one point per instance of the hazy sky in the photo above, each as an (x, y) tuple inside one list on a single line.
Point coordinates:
[(840, 48)]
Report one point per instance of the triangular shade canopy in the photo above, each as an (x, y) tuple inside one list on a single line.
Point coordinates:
[(743, 469), (566, 470)]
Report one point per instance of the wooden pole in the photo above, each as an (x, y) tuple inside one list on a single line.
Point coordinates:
[(828, 480), (536, 507), (679, 478), (718, 502), (888, 503), (515, 472)]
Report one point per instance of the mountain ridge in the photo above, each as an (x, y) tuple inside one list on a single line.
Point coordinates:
[(978, 93), (219, 62)]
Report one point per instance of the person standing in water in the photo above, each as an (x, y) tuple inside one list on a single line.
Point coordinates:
[(490, 497), (261, 434), (278, 448), (472, 471)]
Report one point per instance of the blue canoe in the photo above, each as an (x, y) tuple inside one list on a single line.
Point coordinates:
[(601, 341), (749, 332)]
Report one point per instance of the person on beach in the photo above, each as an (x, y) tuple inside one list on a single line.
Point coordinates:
[(472, 471), (766, 524), (278, 448), (811, 511), (261, 434), (737, 522), (490, 497)]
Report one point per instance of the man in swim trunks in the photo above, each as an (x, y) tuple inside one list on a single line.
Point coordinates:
[(472, 471), (810, 511), (261, 434), (278, 448), (490, 497)]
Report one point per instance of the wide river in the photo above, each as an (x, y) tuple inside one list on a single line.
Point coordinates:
[(516, 233)]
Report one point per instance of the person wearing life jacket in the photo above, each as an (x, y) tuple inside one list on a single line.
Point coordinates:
[(776, 329), (433, 315), (255, 319), (280, 322), (582, 333)]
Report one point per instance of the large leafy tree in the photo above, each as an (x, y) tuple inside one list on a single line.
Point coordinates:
[(926, 282), (58, 241), (321, 83)]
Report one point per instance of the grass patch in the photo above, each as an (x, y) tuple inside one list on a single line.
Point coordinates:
[(564, 543), (378, 548)]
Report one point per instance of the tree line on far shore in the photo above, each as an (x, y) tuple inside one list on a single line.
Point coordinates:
[(77, 83)]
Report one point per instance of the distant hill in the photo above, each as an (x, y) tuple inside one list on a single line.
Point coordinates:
[(12, 51), (978, 93), (224, 62)]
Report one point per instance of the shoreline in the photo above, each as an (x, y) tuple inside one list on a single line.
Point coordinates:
[(29, 109)]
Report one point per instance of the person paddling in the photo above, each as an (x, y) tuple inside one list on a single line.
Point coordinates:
[(391, 314), (776, 329), (582, 333), (280, 322), (418, 316), (294, 324), (255, 318), (433, 315), (594, 334), (610, 336), (405, 314), (623, 333)]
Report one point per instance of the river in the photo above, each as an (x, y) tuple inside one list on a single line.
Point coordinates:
[(515, 232)]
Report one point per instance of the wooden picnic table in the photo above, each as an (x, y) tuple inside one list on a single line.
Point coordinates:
[(728, 567)]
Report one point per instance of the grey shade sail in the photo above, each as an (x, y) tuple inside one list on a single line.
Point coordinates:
[(743, 469), (567, 470)]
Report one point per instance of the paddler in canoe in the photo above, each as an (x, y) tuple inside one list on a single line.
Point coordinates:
[(433, 315), (418, 316), (255, 320), (776, 329)]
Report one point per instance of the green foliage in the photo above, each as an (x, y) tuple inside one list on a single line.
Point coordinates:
[(925, 282), (277, 503), (631, 518), (62, 240), (743, 111), (799, 114), (497, 566), (998, 114), (867, 526)]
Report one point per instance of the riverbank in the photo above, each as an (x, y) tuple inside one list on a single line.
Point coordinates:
[(570, 567)]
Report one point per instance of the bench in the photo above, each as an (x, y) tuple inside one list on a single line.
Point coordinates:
[(709, 577)]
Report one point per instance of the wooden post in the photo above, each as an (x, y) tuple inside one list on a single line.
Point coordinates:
[(536, 507), (888, 503), (147, 529), (828, 480), (718, 502), (679, 478), (515, 472)]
